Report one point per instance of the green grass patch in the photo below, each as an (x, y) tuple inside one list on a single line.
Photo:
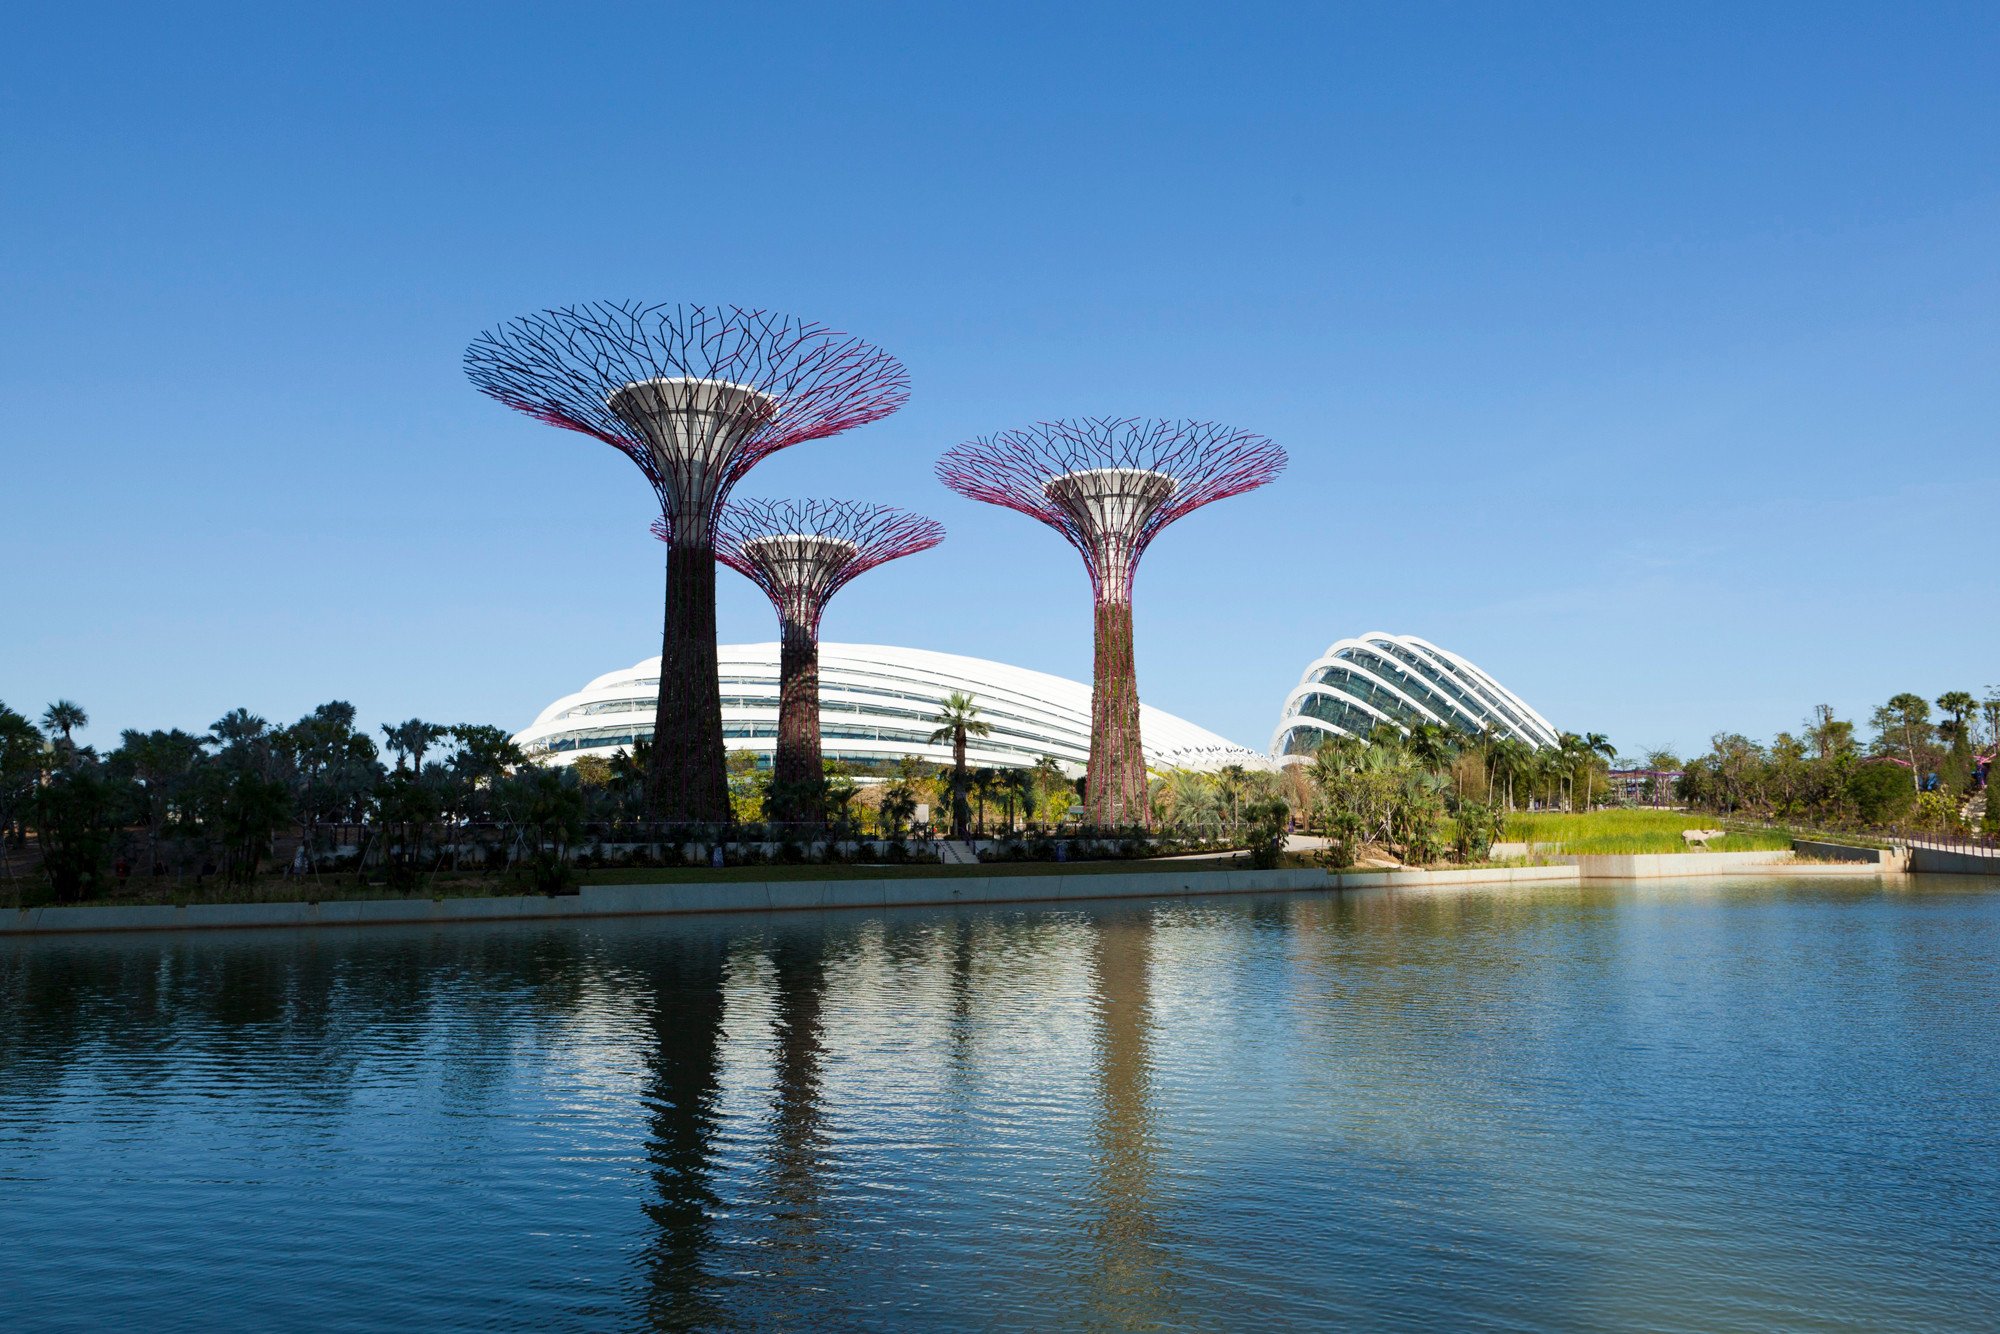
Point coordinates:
[(1632, 833)]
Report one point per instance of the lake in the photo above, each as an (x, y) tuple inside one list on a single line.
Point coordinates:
[(1713, 1105)]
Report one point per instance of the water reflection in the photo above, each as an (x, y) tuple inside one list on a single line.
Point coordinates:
[(1714, 1106), (1133, 1287)]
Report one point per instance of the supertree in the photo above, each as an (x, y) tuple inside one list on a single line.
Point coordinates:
[(696, 396), (802, 552), (1109, 485)]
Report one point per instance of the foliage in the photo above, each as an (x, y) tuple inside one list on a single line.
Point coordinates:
[(22, 748), (1267, 821), (545, 807), (958, 718), (75, 814), (1475, 829)]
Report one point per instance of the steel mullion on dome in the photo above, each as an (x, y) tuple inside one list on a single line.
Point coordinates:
[(1109, 486), (695, 396)]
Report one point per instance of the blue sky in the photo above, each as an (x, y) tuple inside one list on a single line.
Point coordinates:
[(1647, 357)]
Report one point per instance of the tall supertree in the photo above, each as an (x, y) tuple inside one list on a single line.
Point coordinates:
[(1109, 485), (802, 552), (696, 396)]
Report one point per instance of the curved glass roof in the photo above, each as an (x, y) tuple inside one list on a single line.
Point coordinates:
[(1360, 683)]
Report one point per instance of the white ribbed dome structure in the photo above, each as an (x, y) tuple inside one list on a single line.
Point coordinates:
[(1358, 684), (876, 704)]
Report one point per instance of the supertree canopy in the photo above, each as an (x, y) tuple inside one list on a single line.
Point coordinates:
[(695, 396), (801, 552), (1109, 485)]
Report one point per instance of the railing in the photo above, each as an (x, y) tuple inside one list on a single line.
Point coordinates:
[(1949, 840)]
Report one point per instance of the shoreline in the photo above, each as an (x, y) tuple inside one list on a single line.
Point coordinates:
[(689, 898)]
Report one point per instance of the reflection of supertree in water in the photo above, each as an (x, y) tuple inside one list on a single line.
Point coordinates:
[(695, 396), (1109, 486), (802, 552), (1133, 1287), (686, 979)]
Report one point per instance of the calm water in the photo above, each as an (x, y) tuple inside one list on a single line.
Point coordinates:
[(1725, 1105)]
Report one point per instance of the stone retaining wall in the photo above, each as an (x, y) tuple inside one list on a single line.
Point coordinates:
[(1665, 865), (748, 896), (1949, 861)]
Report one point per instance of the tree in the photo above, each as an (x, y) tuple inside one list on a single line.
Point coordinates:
[(1596, 746), (1230, 781), (242, 796), (985, 783), (1430, 745), (1020, 788), (75, 814), (1513, 758), (409, 741), (1903, 725), (1879, 793), (1827, 735), (63, 717), (22, 748), (956, 720), (163, 767), (545, 807), (334, 769), (1183, 798), (1955, 772)]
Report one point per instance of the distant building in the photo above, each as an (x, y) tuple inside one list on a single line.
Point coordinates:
[(876, 705), (1359, 684)]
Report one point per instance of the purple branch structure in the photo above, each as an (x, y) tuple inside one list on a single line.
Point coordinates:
[(695, 396), (1109, 485), (802, 552)]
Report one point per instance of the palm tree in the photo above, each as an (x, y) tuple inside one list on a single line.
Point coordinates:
[(63, 717), (236, 728), (1019, 784), (1571, 753), (1512, 758), (985, 783), (956, 720), (1230, 780), (1596, 745), (1430, 745), (411, 739)]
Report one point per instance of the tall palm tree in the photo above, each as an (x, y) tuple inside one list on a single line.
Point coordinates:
[(1596, 745), (1512, 758), (956, 720), (985, 783), (63, 717), (1019, 785)]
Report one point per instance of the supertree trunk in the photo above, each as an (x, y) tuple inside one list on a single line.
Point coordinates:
[(688, 780), (1109, 486), (800, 552), (1115, 791), (796, 770), (695, 396)]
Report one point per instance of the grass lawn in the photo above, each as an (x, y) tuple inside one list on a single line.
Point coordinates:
[(1631, 832)]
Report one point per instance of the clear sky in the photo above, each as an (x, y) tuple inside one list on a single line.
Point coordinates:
[(1646, 356)]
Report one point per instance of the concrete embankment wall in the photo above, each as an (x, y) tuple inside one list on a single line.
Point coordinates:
[(1671, 865), (749, 896), (1889, 859), (1952, 861)]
